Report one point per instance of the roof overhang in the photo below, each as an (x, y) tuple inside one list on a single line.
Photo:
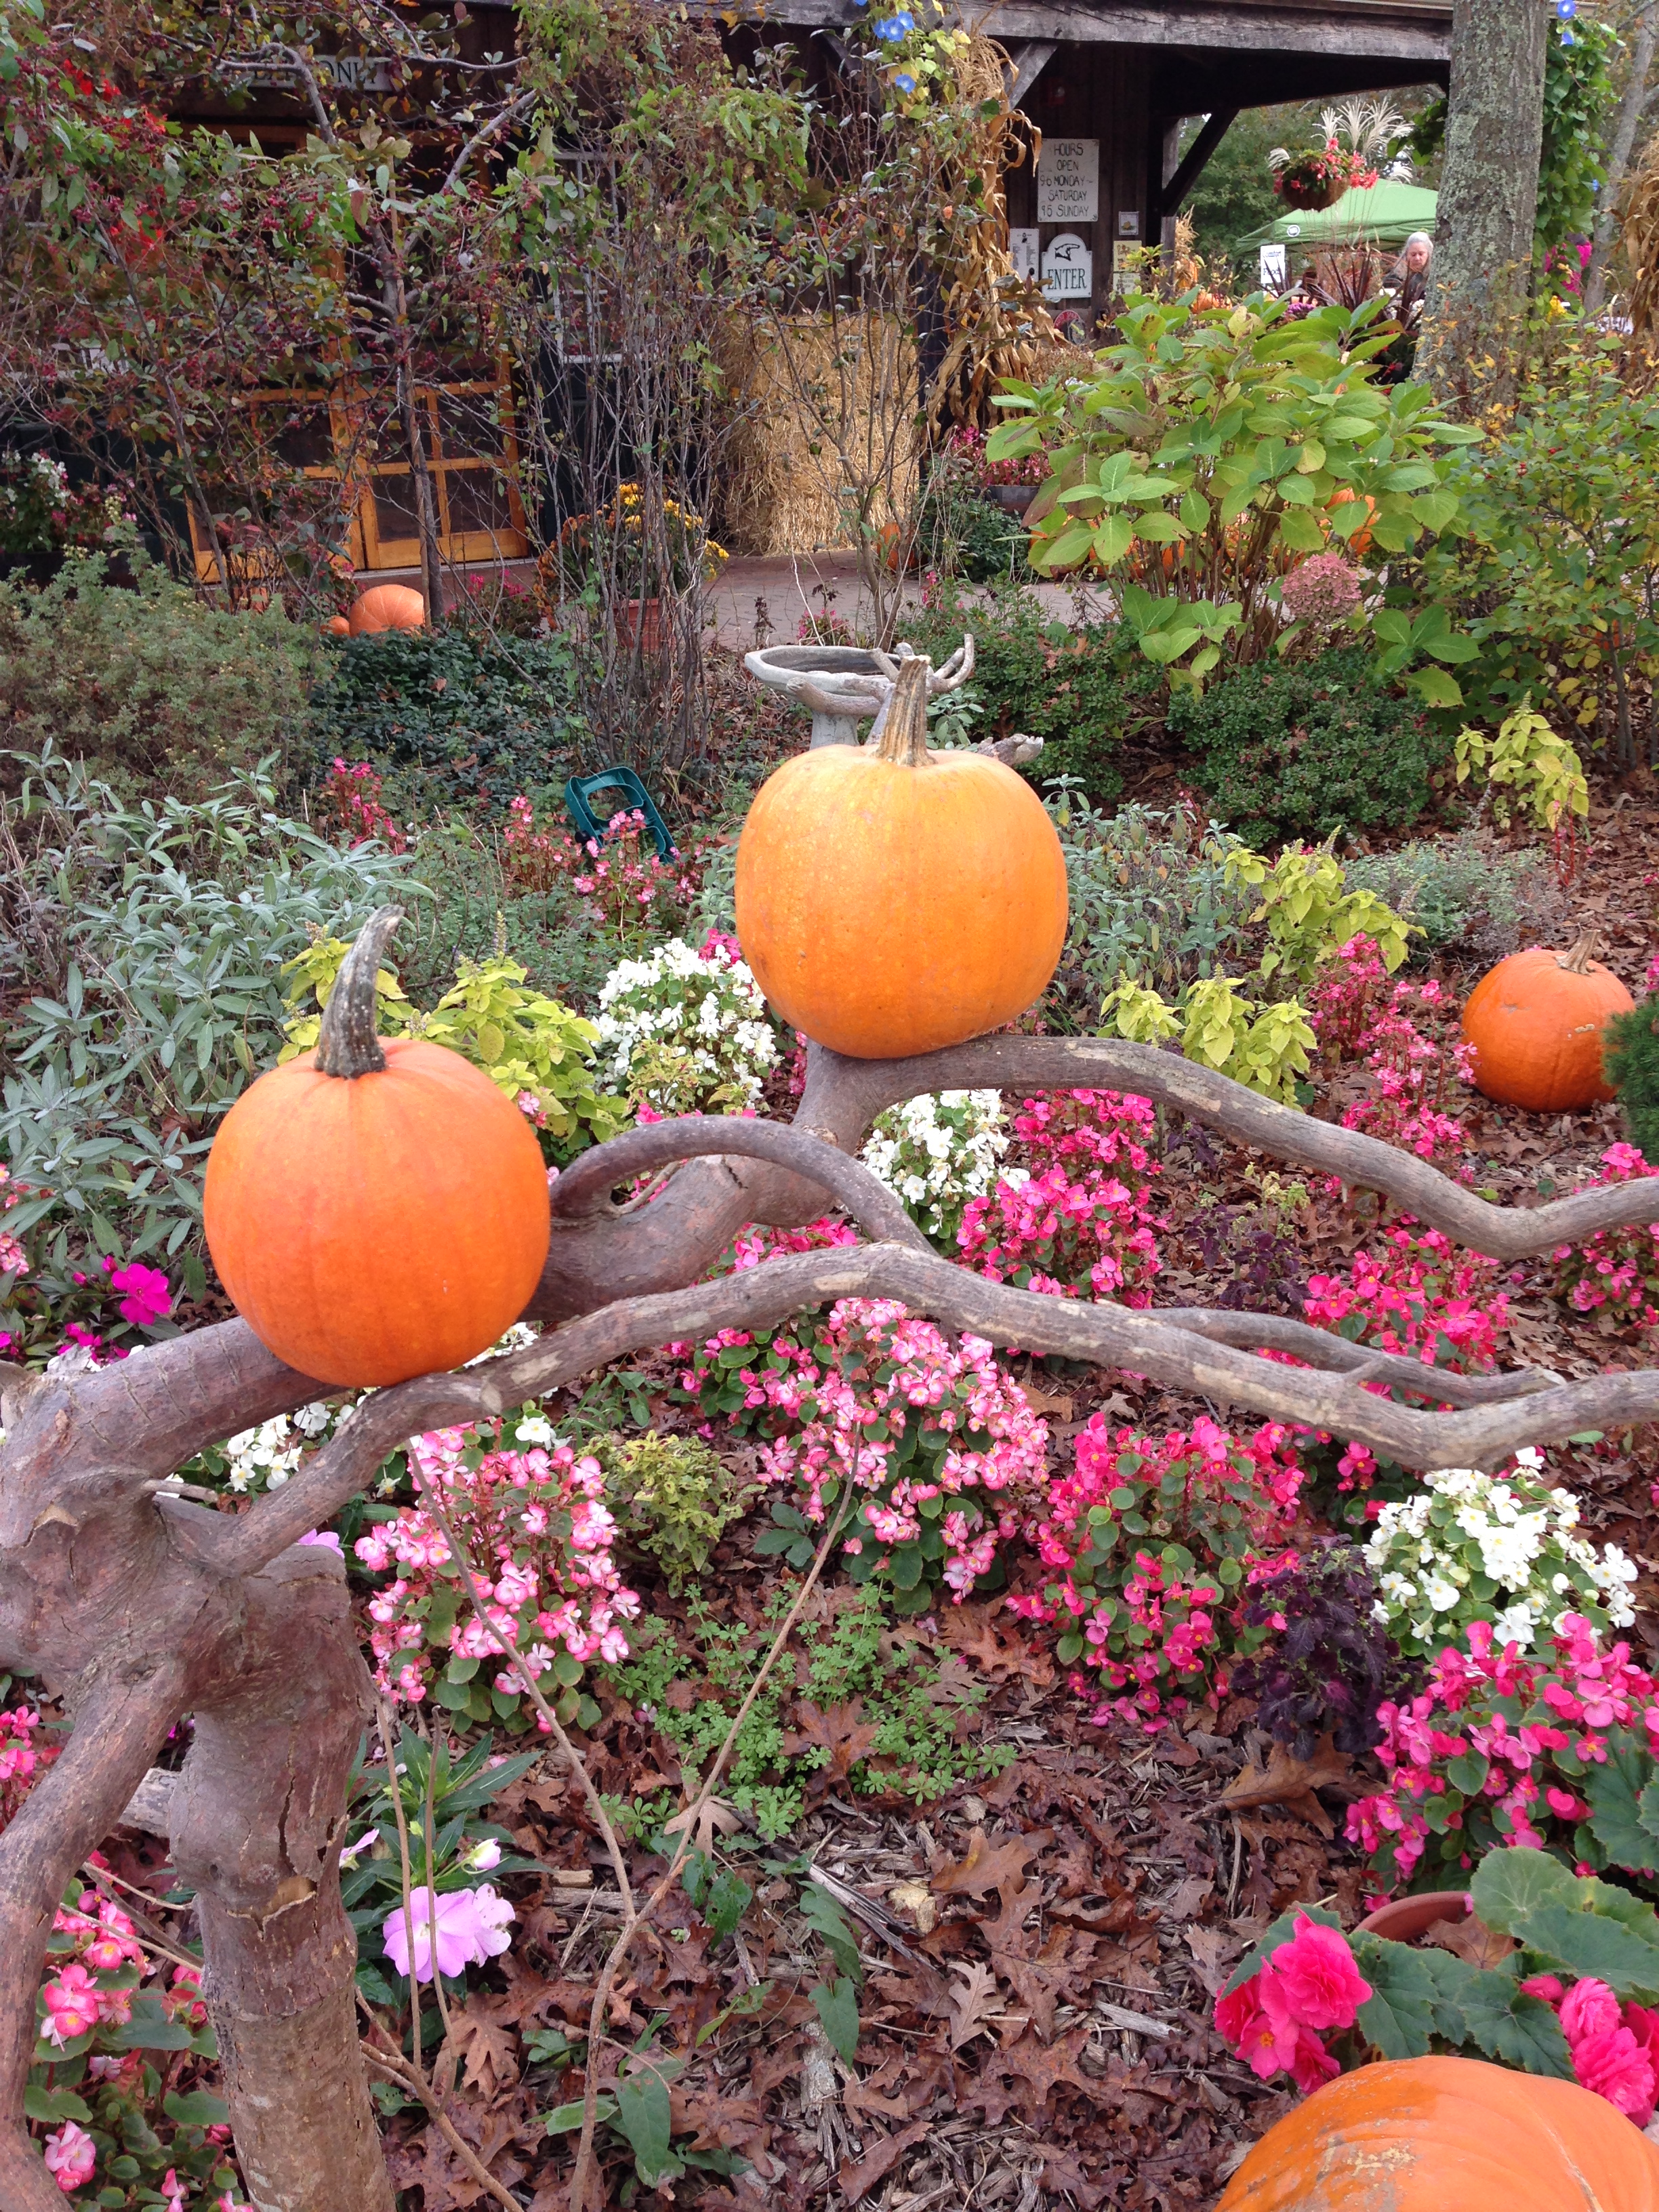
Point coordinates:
[(1407, 31)]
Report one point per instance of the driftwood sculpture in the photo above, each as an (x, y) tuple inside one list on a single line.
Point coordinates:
[(138, 1607)]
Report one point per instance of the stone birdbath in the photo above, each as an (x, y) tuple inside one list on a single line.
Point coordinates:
[(843, 685)]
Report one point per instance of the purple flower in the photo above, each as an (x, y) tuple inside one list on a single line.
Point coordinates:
[(143, 1293), (466, 1926), (320, 1536)]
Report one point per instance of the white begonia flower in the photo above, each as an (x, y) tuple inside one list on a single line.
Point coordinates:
[(535, 1429), (1441, 1594)]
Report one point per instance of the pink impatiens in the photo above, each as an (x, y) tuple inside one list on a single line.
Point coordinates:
[(464, 1927)]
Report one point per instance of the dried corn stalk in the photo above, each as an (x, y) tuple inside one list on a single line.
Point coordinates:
[(1000, 326)]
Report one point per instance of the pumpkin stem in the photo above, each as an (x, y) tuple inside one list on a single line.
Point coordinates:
[(1576, 963), (904, 730), (348, 1045)]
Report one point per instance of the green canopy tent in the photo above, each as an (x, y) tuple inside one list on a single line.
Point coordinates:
[(1384, 215)]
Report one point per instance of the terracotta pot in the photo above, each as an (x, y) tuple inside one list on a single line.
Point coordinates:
[(1406, 1918), (639, 622)]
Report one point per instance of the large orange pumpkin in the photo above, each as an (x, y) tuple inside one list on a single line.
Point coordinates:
[(375, 1210), (892, 900), (1536, 1023), (1449, 2135), (388, 606)]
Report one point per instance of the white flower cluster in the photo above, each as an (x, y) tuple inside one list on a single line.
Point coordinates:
[(1503, 1548), (936, 1153), (264, 1458), (685, 1030)]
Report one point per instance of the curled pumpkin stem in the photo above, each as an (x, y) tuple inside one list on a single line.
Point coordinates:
[(903, 734), (347, 1044)]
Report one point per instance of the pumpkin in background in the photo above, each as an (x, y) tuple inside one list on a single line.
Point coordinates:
[(375, 1210), (336, 626), (1449, 2135), (890, 900), (891, 544), (388, 606), (1536, 1023), (1360, 542)]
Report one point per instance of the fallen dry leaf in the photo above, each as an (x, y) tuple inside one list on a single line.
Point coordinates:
[(854, 2180), (488, 2051), (973, 2001), (1214, 1951), (1291, 1781), (1473, 1939), (985, 1866)]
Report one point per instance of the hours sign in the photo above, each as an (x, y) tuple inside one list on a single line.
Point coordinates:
[(1068, 180)]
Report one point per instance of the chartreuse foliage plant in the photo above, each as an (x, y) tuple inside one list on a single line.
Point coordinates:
[(1309, 914), (1528, 761), (536, 1050), (1213, 450)]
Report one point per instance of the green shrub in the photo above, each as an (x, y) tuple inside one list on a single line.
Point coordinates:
[(1559, 571), (1151, 902), (965, 534), (450, 716), (1308, 751), (1467, 893), (141, 953), (159, 694), (1631, 1055), (673, 1498), (1081, 689), (1195, 464)]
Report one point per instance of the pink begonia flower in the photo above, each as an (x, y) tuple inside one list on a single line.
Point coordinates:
[(173, 2191), (470, 1925), (1313, 2065), (1312, 1981), (1614, 2065), (71, 2003), (320, 1536), (1545, 1986), (1590, 2008), (71, 2157), (1265, 2047)]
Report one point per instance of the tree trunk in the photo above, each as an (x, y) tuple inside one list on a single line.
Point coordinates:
[(1489, 191), (1623, 145), (256, 1824)]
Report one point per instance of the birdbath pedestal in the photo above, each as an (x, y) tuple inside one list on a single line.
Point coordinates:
[(843, 685)]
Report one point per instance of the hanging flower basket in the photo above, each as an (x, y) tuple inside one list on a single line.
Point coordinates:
[(1317, 177)]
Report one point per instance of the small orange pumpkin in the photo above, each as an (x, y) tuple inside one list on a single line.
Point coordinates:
[(892, 900), (375, 1210), (1361, 541), (1536, 1023), (895, 551), (388, 606), (336, 626), (1449, 2135)]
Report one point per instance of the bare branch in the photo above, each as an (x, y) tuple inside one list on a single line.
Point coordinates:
[(855, 1092), (583, 1191), (1142, 1341)]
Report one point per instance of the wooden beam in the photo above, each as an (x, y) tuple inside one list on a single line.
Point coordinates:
[(1417, 31), (1030, 59), (1195, 161)]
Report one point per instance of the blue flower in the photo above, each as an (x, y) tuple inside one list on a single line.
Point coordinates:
[(890, 29), (904, 82), (905, 19)]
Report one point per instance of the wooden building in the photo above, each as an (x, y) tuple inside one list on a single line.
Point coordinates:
[(1109, 84)]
